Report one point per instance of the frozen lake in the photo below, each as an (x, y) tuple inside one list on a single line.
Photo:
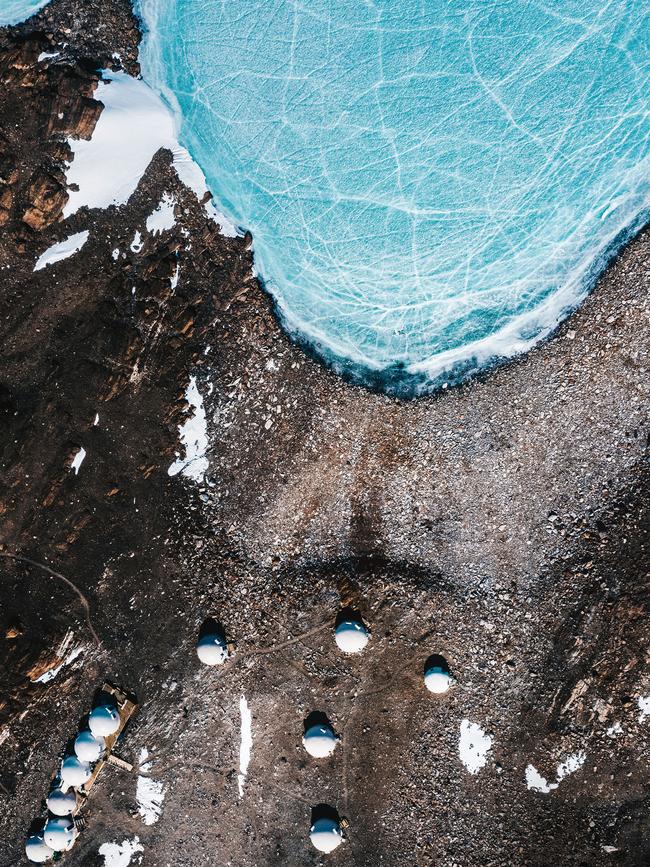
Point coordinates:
[(14, 11), (430, 186)]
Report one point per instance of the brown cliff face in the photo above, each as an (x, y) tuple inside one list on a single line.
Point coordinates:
[(47, 196), (52, 99), (505, 524)]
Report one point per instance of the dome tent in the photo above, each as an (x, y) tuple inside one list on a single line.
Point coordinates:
[(60, 833), (37, 850), (437, 677), (62, 803), (88, 746), (74, 773), (104, 720), (212, 650), (319, 739), (326, 834), (326, 831), (212, 645), (351, 633)]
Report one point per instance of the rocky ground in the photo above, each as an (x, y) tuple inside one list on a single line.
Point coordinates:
[(504, 524)]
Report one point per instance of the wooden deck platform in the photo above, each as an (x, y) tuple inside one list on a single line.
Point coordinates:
[(126, 706)]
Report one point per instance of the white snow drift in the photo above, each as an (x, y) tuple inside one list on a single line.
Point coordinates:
[(149, 793), (67, 655), (61, 250), (537, 783), (473, 746), (246, 744), (162, 218), (120, 854), (194, 438), (134, 124), (78, 460)]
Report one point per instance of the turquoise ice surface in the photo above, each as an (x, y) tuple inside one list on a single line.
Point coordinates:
[(431, 186)]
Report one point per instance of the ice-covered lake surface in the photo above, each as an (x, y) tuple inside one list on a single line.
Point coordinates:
[(431, 186), (14, 11)]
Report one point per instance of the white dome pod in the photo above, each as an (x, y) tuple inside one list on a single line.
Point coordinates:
[(320, 741), (351, 636), (326, 835), (437, 677), (212, 649), (438, 680), (74, 773), (104, 720), (60, 834), (88, 746), (62, 803), (37, 849)]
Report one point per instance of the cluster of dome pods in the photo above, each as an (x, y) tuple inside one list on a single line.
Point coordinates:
[(59, 831), (320, 740)]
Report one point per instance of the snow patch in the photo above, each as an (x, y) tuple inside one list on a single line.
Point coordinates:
[(191, 175), (120, 854), (644, 706), (246, 744), (473, 746), (194, 438), (47, 55), (137, 243), (149, 793), (67, 657), (133, 126), (78, 460), (143, 763), (62, 250), (162, 218), (537, 783), (570, 765), (615, 730)]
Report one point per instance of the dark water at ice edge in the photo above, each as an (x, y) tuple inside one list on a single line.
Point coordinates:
[(396, 381)]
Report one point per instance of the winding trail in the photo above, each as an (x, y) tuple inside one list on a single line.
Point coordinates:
[(84, 602)]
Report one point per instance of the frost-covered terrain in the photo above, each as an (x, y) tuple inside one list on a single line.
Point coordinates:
[(426, 183)]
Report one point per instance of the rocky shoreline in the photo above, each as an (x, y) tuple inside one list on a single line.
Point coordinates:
[(503, 523)]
